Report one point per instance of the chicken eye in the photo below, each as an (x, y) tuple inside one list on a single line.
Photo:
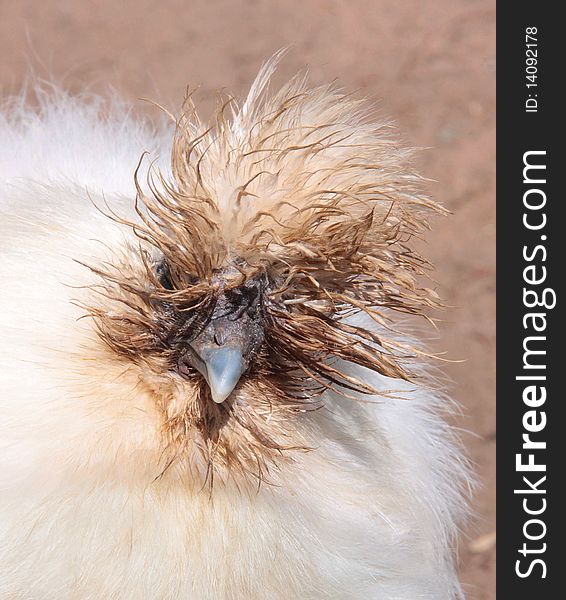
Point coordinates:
[(163, 272)]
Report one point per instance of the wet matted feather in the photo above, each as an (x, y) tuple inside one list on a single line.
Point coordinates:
[(300, 199)]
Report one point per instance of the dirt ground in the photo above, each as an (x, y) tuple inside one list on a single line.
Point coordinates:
[(430, 64)]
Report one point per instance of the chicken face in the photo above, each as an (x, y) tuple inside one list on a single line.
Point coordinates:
[(235, 292), (221, 339)]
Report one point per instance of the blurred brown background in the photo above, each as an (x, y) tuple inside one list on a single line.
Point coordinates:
[(430, 64)]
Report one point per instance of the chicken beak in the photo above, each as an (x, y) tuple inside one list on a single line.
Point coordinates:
[(223, 368), (226, 343)]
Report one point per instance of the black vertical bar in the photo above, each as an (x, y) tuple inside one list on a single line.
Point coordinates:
[(531, 258)]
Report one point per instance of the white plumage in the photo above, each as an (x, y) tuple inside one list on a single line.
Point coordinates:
[(370, 511)]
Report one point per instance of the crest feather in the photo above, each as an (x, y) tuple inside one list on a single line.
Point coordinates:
[(301, 180), (303, 193)]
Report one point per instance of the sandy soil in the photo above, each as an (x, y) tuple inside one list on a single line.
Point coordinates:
[(430, 64)]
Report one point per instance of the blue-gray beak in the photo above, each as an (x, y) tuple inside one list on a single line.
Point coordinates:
[(222, 368), (225, 347)]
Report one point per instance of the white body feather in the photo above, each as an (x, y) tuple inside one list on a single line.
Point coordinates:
[(371, 512)]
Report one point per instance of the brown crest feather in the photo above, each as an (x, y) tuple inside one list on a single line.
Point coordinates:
[(300, 188)]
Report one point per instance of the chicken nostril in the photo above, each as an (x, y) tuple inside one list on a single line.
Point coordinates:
[(220, 337)]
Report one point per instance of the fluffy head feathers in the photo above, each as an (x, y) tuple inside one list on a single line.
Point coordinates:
[(299, 197)]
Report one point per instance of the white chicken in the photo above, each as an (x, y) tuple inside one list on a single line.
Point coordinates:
[(203, 391)]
